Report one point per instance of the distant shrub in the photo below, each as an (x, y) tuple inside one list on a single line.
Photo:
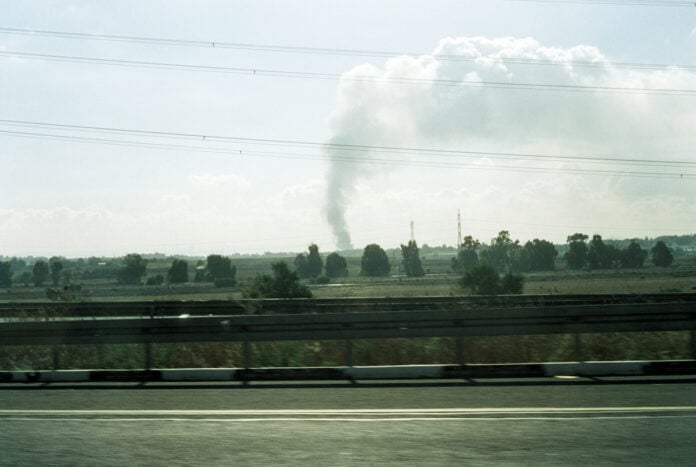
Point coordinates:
[(284, 283), (323, 280), (484, 280), (225, 282), (155, 280), (512, 284)]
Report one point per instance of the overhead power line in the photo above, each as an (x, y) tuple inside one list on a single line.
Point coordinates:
[(342, 146), (358, 78), (338, 51), (649, 3), (377, 155), (355, 159)]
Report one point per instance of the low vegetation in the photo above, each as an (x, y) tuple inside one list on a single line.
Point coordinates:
[(502, 266)]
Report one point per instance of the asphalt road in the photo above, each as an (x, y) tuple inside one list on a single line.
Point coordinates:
[(566, 424)]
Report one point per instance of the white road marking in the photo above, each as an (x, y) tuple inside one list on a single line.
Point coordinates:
[(342, 419), (356, 415)]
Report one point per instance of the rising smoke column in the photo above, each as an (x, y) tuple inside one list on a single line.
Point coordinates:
[(339, 190), (354, 121)]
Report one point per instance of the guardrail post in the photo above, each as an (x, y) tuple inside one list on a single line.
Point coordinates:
[(148, 355), (349, 352), (246, 349), (578, 347), (56, 357), (459, 342)]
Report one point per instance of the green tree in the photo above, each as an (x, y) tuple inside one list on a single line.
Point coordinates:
[(505, 254), (336, 265), (576, 256), (467, 258), (17, 264), (597, 254), (519, 259), (24, 277), (613, 258), (301, 265), (133, 269), (542, 255), (374, 261), (178, 272), (601, 255), (633, 256), (56, 266), (40, 273), (314, 261), (309, 265), (5, 274), (411, 258), (220, 271), (660, 255), (283, 283)]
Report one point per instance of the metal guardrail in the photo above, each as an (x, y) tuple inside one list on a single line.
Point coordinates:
[(453, 317), (567, 371), (567, 319), (43, 309)]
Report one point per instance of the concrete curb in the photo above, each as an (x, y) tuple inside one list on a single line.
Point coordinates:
[(405, 372)]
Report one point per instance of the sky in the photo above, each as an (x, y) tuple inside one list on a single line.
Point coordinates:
[(540, 118)]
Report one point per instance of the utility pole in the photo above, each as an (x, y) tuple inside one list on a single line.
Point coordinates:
[(413, 239)]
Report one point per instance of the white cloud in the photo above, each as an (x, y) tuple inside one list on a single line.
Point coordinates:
[(474, 117), (480, 114)]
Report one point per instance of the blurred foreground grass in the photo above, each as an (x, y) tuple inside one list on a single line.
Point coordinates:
[(434, 350)]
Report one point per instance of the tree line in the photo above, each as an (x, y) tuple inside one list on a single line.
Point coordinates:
[(503, 255), (598, 255), (506, 255)]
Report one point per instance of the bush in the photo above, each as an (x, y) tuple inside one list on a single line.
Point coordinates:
[(284, 283), (155, 280), (323, 280), (484, 280), (225, 282), (512, 284)]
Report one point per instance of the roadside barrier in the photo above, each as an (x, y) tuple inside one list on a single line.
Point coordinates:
[(458, 317)]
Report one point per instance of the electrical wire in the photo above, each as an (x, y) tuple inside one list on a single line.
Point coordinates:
[(337, 51), (353, 159), (355, 78), (650, 3), (611, 159)]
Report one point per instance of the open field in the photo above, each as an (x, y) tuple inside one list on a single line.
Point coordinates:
[(665, 345), (438, 282)]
